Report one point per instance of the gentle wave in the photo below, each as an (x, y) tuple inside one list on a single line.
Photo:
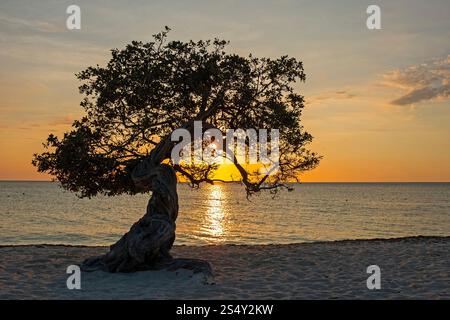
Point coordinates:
[(40, 212)]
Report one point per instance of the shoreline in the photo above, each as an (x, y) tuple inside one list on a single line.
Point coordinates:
[(393, 239), (411, 268)]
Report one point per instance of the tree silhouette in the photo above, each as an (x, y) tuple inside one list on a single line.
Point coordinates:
[(146, 91)]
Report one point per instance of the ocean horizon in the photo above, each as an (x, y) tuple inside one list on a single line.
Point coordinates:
[(37, 212)]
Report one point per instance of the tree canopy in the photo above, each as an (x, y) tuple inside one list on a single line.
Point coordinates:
[(147, 90)]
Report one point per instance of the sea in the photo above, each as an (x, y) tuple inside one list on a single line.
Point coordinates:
[(43, 213)]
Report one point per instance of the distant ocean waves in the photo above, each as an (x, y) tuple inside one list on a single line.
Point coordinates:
[(40, 212)]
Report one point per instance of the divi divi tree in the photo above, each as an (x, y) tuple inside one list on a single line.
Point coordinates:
[(123, 143)]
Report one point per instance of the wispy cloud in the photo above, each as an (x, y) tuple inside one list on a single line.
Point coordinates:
[(65, 120), (38, 25), (331, 95), (423, 82)]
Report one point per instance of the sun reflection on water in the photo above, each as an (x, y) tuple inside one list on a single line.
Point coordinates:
[(215, 224)]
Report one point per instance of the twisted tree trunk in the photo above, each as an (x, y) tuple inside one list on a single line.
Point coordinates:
[(146, 246)]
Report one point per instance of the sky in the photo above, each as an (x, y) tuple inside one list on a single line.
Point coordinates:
[(377, 101)]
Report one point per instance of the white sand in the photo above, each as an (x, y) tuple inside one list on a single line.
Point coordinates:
[(412, 268)]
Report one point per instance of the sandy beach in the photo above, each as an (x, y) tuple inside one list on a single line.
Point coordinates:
[(411, 268)]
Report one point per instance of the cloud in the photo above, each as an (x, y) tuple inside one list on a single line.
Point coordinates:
[(423, 82), (332, 95), (65, 120), (38, 25)]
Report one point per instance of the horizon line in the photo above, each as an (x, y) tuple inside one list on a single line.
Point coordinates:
[(218, 182)]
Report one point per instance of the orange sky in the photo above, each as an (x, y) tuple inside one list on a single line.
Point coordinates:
[(377, 101)]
